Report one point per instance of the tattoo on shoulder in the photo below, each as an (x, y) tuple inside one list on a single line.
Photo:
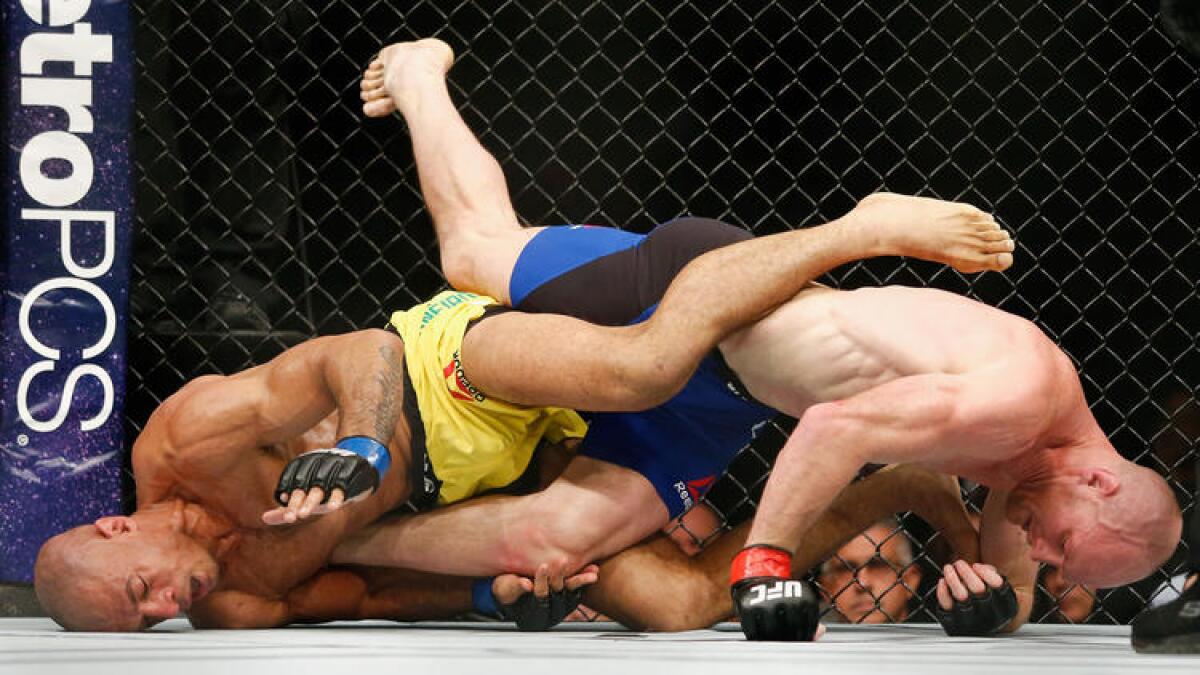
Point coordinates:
[(391, 383)]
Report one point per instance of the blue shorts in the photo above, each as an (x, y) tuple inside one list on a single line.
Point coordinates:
[(612, 277)]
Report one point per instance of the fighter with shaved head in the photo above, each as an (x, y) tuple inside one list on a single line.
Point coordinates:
[(890, 375), (385, 416)]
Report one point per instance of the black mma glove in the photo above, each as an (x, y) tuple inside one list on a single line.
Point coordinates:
[(979, 615), (356, 465), (529, 612), (769, 603)]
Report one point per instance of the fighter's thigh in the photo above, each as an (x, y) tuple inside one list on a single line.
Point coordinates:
[(550, 359), (596, 509)]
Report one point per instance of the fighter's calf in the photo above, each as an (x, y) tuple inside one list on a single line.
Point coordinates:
[(553, 532), (592, 511)]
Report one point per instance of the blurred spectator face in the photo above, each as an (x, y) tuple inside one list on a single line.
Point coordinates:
[(1075, 603), (871, 579)]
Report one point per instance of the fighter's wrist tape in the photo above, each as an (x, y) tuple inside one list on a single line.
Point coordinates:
[(761, 560), (368, 448), (483, 599)]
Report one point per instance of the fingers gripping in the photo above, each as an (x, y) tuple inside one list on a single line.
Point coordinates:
[(541, 603), (974, 600)]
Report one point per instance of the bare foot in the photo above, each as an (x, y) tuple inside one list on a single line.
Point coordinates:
[(388, 79), (959, 235)]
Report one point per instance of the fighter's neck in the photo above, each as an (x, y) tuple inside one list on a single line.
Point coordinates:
[(1046, 462)]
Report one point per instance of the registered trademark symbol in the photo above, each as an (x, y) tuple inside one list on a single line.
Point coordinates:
[(22, 440)]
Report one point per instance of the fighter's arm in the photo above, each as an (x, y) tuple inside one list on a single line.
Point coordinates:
[(655, 586), (970, 582), (214, 420), (931, 419), (340, 594), (1003, 545)]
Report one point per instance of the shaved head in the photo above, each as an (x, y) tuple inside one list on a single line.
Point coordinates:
[(1146, 511), (122, 573), (69, 586), (1136, 529)]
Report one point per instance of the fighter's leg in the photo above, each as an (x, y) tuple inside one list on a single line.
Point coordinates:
[(464, 188), (655, 586), (593, 510), (552, 361)]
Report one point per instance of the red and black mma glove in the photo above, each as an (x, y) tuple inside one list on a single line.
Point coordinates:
[(769, 603), (979, 615), (355, 465)]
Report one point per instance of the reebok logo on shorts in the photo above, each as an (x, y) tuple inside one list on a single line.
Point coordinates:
[(457, 383), (699, 486), (691, 491)]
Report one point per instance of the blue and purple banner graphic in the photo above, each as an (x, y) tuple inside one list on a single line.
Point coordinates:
[(64, 269)]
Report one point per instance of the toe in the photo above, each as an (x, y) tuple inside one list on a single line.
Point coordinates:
[(378, 108), (1002, 261), (1000, 246), (993, 234)]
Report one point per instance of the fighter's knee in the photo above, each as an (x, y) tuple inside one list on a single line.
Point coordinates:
[(550, 535), (458, 266), (540, 544), (650, 376)]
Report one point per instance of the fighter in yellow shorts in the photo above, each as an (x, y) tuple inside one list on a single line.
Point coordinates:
[(474, 443), (208, 459)]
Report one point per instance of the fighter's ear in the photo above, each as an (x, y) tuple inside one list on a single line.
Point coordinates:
[(111, 526), (1101, 479)]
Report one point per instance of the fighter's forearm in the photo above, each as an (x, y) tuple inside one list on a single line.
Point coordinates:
[(378, 593), (808, 475), (340, 594), (405, 595), (1003, 545), (366, 379)]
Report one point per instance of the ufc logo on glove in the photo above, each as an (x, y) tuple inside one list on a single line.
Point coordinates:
[(777, 590)]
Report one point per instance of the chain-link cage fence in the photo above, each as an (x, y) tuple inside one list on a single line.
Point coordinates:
[(269, 210)]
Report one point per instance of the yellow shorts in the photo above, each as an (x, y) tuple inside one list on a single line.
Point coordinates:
[(474, 443)]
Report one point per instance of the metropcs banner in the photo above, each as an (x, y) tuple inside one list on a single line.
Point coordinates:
[(64, 269)]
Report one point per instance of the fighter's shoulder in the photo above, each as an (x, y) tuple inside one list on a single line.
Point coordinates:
[(207, 405), (203, 391)]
